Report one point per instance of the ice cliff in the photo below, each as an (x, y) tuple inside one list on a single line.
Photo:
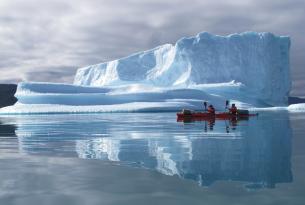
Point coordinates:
[(250, 69), (260, 61)]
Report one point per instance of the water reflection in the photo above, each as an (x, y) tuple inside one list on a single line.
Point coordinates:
[(256, 151), (7, 130), (209, 122), (8, 138)]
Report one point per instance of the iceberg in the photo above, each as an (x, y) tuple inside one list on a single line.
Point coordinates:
[(260, 61), (250, 69), (300, 107)]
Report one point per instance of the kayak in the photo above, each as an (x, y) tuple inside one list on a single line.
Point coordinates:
[(202, 116)]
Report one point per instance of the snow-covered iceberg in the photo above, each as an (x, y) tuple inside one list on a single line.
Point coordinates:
[(260, 61), (251, 69)]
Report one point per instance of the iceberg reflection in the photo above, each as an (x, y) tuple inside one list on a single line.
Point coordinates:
[(256, 152)]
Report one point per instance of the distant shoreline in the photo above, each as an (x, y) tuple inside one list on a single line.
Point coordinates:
[(7, 92)]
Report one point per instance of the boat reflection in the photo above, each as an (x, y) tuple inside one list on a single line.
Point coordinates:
[(256, 152), (209, 123)]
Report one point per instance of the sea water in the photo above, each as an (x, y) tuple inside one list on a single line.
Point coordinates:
[(150, 158)]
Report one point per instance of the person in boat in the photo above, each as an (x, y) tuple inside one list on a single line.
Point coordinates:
[(211, 109), (233, 109)]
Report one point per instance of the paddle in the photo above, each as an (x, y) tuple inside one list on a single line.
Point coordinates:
[(227, 127), (205, 105), (227, 103)]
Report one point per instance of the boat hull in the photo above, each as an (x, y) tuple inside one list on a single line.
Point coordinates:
[(204, 116)]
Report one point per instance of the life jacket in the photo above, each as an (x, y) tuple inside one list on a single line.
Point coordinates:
[(233, 110), (211, 110)]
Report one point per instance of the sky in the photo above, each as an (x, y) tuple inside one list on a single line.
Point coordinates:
[(47, 40)]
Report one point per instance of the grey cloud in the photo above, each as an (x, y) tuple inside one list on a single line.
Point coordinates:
[(52, 38), (56, 74)]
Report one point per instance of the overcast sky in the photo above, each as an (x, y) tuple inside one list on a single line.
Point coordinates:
[(47, 40)]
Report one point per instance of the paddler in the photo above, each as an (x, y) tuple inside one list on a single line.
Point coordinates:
[(211, 109), (233, 109)]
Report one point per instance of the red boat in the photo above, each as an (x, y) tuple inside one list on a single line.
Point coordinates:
[(187, 115)]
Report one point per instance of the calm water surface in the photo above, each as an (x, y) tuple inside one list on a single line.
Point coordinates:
[(149, 158)]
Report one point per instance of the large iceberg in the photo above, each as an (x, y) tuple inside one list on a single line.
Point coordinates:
[(260, 61), (250, 69)]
